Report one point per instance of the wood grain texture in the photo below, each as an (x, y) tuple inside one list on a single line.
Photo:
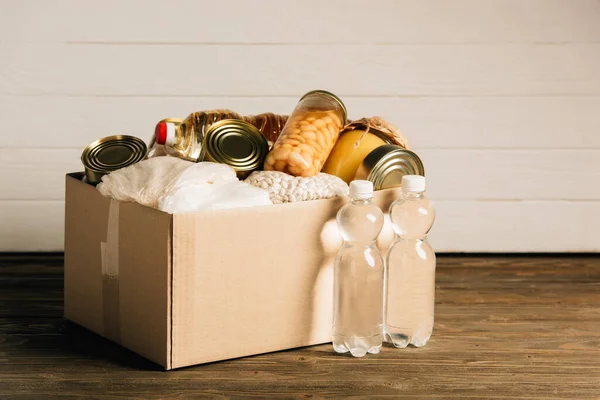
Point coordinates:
[(461, 226), (500, 98), (369, 70), (506, 327), (302, 21), (543, 122), (32, 225), (482, 174)]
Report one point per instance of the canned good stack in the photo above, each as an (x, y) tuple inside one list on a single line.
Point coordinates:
[(317, 139)]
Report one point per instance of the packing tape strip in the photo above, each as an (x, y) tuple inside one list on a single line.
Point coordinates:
[(111, 313)]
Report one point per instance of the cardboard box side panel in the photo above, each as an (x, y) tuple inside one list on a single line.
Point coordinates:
[(244, 281), (144, 281), (86, 216), (250, 281)]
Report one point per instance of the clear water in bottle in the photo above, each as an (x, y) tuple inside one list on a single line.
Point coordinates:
[(358, 275), (410, 268)]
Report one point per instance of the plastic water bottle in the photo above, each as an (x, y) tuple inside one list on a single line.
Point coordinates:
[(410, 268), (358, 275)]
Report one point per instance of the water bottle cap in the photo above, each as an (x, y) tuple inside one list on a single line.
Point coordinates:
[(165, 133), (413, 183), (361, 189)]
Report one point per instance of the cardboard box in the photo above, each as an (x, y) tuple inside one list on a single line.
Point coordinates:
[(194, 288)]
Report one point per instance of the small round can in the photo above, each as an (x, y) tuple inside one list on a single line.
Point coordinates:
[(111, 153), (386, 165), (235, 143)]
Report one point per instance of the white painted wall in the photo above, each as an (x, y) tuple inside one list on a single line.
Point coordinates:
[(501, 98)]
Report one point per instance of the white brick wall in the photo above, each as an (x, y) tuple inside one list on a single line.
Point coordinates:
[(501, 98)]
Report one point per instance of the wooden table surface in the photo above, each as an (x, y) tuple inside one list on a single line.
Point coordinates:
[(506, 327)]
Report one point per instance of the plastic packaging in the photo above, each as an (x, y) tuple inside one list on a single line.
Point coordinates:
[(410, 268), (284, 188), (158, 150), (176, 186), (358, 275), (210, 186), (309, 135), (145, 182)]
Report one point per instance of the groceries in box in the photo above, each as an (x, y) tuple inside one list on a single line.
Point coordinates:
[(219, 159)]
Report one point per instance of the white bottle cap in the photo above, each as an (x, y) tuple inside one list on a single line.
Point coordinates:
[(361, 189), (413, 183)]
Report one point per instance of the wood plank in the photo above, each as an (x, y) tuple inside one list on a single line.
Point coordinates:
[(493, 346), (512, 174), (37, 174), (519, 226), (450, 75), (461, 226), (32, 263), (428, 122), (407, 70), (32, 225), (452, 174), (302, 21)]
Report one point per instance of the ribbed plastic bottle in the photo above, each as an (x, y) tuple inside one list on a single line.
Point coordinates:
[(410, 268), (358, 275)]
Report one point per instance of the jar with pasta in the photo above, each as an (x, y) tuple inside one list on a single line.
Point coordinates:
[(309, 135)]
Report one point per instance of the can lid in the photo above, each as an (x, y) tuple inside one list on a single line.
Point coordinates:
[(361, 189), (236, 143), (386, 165), (413, 183), (333, 96), (113, 152), (165, 133)]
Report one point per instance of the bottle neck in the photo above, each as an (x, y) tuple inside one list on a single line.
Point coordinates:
[(413, 195), (179, 131), (182, 137), (359, 201)]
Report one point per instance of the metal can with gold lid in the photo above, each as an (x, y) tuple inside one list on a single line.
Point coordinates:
[(111, 153), (386, 165), (236, 143)]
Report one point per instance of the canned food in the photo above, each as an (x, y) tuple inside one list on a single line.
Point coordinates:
[(236, 143), (386, 165), (111, 153)]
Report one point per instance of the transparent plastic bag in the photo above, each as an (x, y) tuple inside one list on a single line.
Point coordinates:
[(175, 186), (145, 182), (210, 186), (284, 188), (197, 197)]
